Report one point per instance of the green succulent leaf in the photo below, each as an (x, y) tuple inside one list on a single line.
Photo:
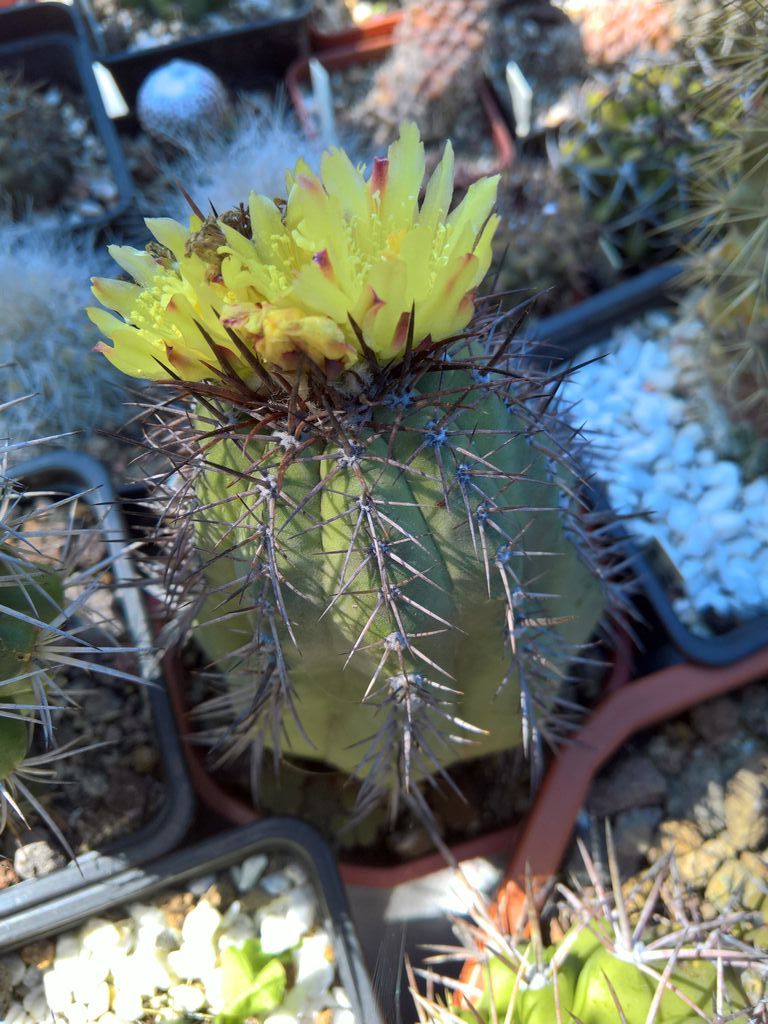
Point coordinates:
[(254, 982)]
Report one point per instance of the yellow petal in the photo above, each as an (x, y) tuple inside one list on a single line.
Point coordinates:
[(140, 265), (399, 199), (169, 233), (345, 183), (118, 295), (437, 199)]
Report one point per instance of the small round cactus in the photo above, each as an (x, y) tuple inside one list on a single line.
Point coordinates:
[(615, 961), (182, 102)]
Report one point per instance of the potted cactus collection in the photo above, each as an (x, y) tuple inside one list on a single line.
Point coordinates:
[(436, 490)]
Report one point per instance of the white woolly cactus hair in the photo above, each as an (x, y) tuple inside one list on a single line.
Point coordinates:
[(43, 342), (265, 142)]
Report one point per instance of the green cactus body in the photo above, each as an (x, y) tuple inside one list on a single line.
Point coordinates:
[(629, 155), (37, 594), (584, 984), (14, 742), (420, 469)]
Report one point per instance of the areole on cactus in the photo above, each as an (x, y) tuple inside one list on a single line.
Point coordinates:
[(386, 511)]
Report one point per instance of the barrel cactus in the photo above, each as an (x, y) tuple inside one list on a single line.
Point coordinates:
[(616, 955), (395, 563)]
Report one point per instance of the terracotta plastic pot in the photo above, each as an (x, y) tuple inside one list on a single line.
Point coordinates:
[(374, 47), (239, 812), (381, 25)]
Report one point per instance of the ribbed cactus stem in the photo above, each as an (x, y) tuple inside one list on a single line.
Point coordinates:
[(405, 589), (14, 738)]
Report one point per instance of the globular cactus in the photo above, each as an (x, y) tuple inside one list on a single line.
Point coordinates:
[(629, 153), (547, 245), (385, 510), (437, 58), (35, 148), (616, 963), (183, 102)]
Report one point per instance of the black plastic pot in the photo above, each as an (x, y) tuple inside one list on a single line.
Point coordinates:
[(247, 57), (562, 337), (278, 835), (44, 42), (68, 473)]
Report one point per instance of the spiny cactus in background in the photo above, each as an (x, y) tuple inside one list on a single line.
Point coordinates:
[(45, 608), (384, 506), (437, 58), (42, 333), (730, 189), (35, 148), (613, 31), (546, 244), (629, 153), (619, 959)]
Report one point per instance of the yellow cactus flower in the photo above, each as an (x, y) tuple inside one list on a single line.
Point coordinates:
[(343, 252)]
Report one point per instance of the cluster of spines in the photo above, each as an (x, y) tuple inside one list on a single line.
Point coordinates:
[(291, 418)]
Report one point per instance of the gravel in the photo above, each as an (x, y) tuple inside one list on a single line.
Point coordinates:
[(663, 445), (135, 27), (162, 959)]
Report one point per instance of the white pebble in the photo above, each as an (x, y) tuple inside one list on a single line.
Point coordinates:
[(192, 962), (247, 874), (187, 998), (98, 1000), (36, 1004), (16, 1014), (127, 1004), (276, 884), (201, 924), (58, 990), (314, 971)]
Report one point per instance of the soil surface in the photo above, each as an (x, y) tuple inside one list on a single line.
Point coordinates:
[(91, 192)]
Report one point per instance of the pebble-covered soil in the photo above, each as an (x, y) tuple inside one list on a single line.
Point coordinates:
[(140, 26), (91, 192), (698, 786), (664, 445), (187, 954)]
